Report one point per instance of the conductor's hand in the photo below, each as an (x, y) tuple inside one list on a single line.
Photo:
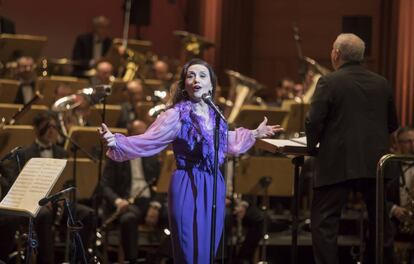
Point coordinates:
[(107, 135), (263, 130)]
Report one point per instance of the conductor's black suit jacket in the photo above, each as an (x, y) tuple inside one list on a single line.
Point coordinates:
[(351, 115)]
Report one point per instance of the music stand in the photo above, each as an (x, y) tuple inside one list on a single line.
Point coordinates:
[(8, 90), (86, 177), (8, 110), (251, 168), (296, 118), (15, 135), (94, 118), (250, 116), (118, 94), (47, 87), (141, 46), (89, 139), (13, 46), (168, 167), (298, 151)]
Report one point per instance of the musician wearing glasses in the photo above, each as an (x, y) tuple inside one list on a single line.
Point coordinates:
[(45, 127), (400, 191), (128, 191)]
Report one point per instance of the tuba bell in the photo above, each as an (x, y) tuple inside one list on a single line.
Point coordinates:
[(242, 90)]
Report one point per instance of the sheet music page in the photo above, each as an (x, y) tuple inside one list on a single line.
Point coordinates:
[(301, 140), (283, 142), (34, 182)]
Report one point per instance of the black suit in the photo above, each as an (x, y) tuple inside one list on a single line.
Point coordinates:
[(44, 221), (83, 51), (7, 26), (351, 115), (116, 183)]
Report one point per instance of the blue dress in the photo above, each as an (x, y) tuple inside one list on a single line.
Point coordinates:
[(191, 187)]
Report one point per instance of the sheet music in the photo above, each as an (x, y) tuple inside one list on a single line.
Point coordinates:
[(283, 142), (301, 140), (33, 183)]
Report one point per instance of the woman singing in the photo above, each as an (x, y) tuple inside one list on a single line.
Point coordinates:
[(189, 125)]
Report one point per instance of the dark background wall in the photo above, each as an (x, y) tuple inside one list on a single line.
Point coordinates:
[(61, 21), (274, 53), (260, 31)]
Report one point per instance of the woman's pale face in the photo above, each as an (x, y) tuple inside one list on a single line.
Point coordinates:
[(197, 81)]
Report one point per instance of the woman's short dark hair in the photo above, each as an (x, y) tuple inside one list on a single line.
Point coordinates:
[(180, 94)]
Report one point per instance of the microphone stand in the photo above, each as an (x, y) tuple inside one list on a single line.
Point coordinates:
[(74, 148), (97, 192), (75, 227), (215, 176)]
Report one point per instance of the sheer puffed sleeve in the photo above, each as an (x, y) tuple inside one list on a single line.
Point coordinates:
[(240, 141), (157, 137)]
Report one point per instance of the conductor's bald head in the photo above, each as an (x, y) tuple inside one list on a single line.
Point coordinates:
[(346, 48)]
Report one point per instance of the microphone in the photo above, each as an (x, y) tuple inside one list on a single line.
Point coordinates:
[(208, 100), (97, 93), (55, 196), (11, 154)]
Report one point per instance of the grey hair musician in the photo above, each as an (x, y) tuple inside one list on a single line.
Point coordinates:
[(351, 116)]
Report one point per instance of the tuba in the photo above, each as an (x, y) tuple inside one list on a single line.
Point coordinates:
[(242, 90)]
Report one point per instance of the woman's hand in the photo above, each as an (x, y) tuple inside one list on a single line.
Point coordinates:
[(107, 135), (263, 130)]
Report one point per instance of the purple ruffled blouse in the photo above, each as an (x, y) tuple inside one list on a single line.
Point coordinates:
[(182, 127)]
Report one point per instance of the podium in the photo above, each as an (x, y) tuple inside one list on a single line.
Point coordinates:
[(14, 45), (16, 135), (250, 116), (112, 114), (298, 149), (8, 90), (8, 110), (89, 139), (47, 87), (86, 177)]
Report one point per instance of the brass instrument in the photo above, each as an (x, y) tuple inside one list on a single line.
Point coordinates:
[(193, 44), (311, 84), (242, 90)]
